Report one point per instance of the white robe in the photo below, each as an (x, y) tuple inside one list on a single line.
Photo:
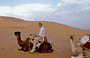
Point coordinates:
[(42, 32)]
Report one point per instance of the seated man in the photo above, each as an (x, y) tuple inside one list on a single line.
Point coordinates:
[(86, 41), (39, 38), (87, 44)]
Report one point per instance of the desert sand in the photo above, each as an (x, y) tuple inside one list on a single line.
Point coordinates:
[(58, 35)]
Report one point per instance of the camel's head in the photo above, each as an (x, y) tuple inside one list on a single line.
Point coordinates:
[(72, 36), (32, 36), (17, 34)]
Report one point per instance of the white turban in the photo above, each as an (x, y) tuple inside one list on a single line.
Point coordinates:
[(84, 39)]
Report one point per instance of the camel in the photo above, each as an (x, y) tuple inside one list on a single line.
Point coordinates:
[(77, 52), (27, 44)]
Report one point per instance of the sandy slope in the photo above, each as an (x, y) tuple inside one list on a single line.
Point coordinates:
[(58, 35)]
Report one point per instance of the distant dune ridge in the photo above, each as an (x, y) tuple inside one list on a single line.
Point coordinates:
[(58, 35)]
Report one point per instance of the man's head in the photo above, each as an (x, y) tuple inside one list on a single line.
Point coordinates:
[(17, 34), (40, 24)]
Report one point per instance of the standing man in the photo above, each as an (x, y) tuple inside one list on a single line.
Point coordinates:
[(40, 38)]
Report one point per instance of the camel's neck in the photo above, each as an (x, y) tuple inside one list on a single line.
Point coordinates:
[(19, 40), (72, 45)]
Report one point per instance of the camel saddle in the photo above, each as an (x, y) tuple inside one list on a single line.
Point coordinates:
[(87, 45)]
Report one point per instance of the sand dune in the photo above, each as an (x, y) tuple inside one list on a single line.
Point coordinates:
[(12, 22), (58, 35)]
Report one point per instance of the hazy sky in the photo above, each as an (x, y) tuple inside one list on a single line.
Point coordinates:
[(71, 12)]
